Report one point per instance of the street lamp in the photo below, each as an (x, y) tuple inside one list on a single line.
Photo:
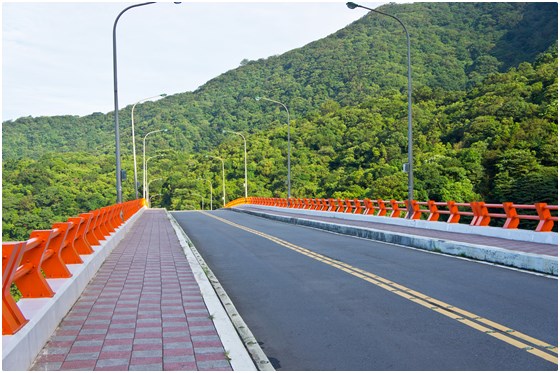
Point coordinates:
[(245, 149), (134, 143), (116, 94), (211, 191), (152, 197), (201, 200), (117, 137), (148, 192), (289, 151), (145, 180), (147, 189), (223, 177), (410, 157)]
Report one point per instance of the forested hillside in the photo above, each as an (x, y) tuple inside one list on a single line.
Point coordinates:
[(485, 117)]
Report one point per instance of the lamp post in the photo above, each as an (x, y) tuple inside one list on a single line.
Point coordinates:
[(147, 189), (145, 180), (148, 192), (153, 196), (201, 200), (410, 157), (289, 151), (211, 191), (116, 96), (134, 142), (223, 178), (245, 152)]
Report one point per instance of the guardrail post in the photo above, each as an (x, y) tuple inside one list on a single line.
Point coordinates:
[(292, 203), (368, 207), (53, 266), (454, 215), (382, 208), (476, 213), (81, 243), (545, 218), (416, 208), (12, 318), (67, 252), (90, 233), (396, 211), (349, 206), (97, 230), (434, 212), (332, 205), (485, 218), (318, 205), (32, 283), (512, 220), (480, 212), (358, 206), (341, 207)]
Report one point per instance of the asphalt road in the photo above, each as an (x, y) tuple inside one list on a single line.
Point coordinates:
[(320, 301)]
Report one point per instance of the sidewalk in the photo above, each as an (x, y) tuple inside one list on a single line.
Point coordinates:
[(142, 311), (524, 255)]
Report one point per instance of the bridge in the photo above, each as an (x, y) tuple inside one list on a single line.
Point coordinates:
[(299, 284)]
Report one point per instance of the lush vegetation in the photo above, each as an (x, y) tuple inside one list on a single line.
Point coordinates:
[(485, 116)]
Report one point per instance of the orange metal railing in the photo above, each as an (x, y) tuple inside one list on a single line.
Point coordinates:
[(478, 213), (47, 252)]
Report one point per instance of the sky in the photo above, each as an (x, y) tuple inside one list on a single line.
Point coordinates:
[(57, 58)]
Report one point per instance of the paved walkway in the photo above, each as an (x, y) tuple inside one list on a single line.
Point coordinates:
[(143, 311), (527, 247)]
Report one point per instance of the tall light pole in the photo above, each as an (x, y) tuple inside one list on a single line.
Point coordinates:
[(289, 151), (145, 180), (148, 192), (245, 149), (117, 136), (134, 142), (147, 189), (211, 191), (223, 177), (410, 157), (201, 199)]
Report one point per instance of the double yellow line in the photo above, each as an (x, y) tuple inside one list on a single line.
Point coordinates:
[(515, 338)]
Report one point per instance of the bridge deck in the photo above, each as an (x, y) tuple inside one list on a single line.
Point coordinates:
[(143, 311)]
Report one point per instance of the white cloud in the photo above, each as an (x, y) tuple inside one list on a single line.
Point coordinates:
[(57, 57)]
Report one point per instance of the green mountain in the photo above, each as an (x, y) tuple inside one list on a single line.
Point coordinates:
[(485, 117)]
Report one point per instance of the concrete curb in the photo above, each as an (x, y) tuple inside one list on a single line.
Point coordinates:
[(44, 314), (236, 337), (550, 238), (538, 263)]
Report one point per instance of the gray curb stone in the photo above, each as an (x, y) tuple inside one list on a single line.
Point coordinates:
[(532, 262)]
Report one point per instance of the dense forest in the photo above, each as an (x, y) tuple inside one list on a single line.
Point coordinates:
[(485, 119)]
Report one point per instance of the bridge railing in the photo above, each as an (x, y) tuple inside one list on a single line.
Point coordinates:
[(47, 253), (475, 213)]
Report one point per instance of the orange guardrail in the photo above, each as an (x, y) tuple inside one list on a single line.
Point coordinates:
[(47, 252), (478, 213)]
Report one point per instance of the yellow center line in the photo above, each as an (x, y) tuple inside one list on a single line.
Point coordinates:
[(501, 332)]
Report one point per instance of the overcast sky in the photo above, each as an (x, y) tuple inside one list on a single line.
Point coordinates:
[(57, 57)]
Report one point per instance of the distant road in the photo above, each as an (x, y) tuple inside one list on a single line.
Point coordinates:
[(320, 301)]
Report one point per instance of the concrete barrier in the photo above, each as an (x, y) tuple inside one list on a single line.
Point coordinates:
[(539, 263), (550, 238)]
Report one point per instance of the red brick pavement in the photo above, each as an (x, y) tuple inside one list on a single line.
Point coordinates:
[(142, 311)]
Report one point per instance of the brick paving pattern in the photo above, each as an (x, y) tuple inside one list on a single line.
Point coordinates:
[(527, 247), (142, 311)]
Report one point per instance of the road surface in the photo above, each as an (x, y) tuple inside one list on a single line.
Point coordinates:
[(320, 301)]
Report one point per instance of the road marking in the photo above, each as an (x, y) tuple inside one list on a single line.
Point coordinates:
[(522, 341)]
